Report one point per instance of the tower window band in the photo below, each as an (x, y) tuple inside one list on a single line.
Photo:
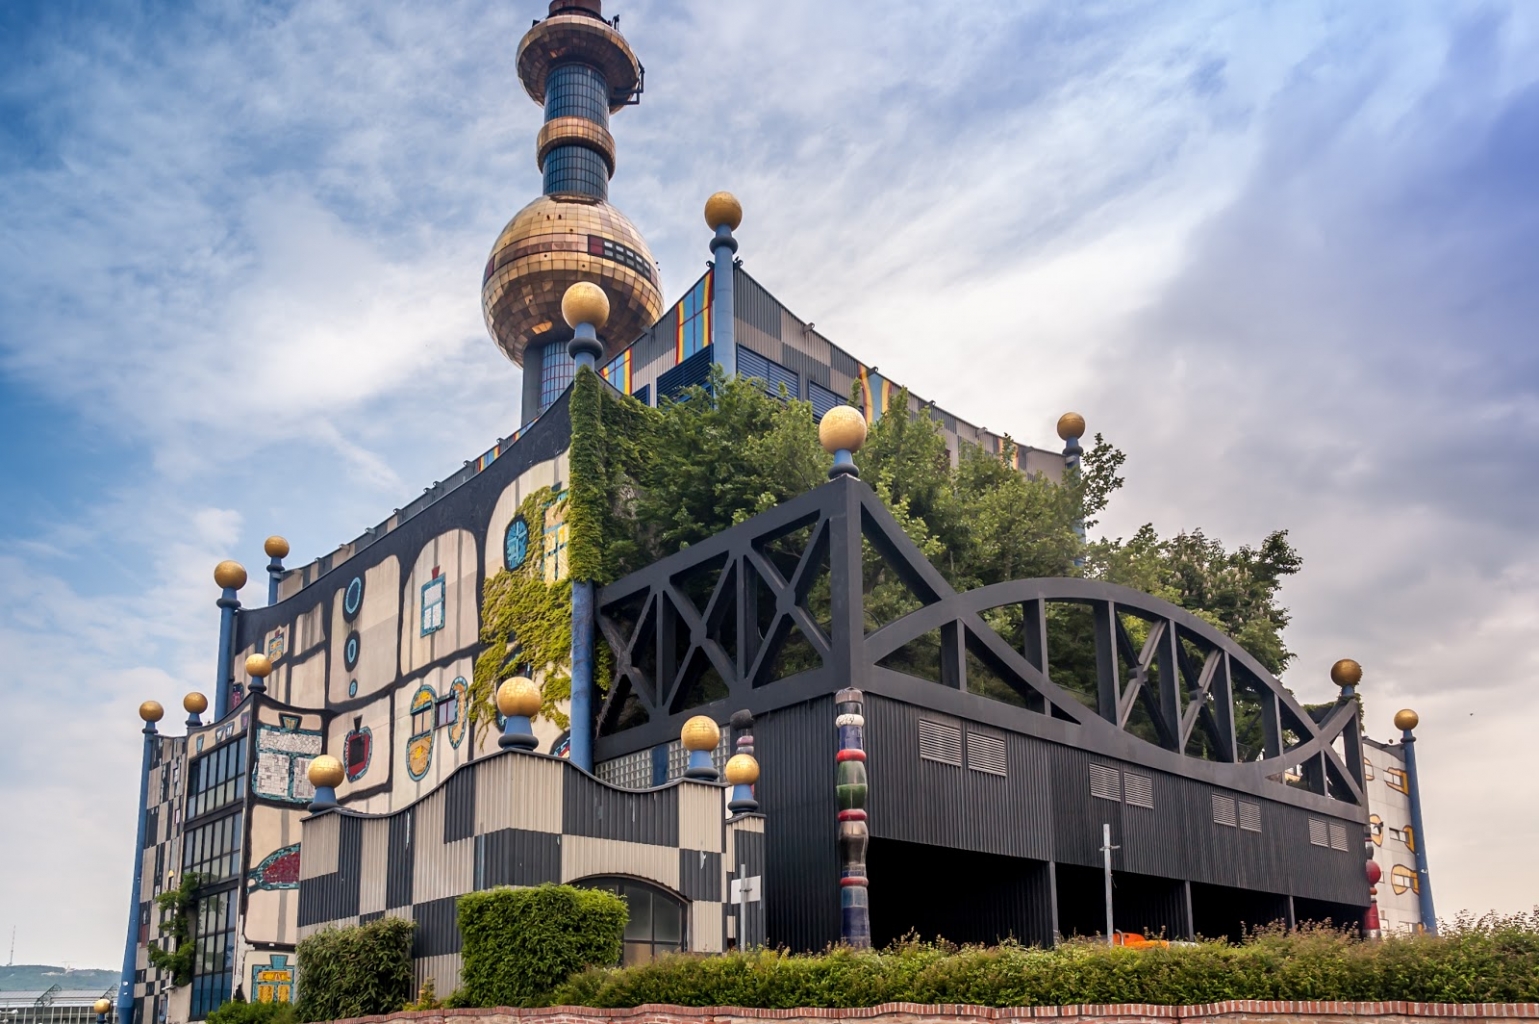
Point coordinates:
[(577, 90), (576, 169), (556, 371)]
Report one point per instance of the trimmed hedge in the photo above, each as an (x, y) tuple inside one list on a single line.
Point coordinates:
[(1492, 960), (355, 972), (519, 944)]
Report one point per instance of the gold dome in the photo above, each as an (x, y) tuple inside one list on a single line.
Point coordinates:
[(259, 666), (585, 303), (742, 770), (326, 771), (230, 575), (102, 1006), (723, 208), (519, 696), (547, 247), (1346, 672), (151, 711), (1405, 718), (195, 703), (1071, 424), (700, 733), (276, 547), (842, 427)]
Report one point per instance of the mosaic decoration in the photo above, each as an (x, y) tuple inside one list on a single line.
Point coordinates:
[(693, 317), (276, 645), (283, 753), (278, 870), (419, 748), (489, 458), (460, 690), (273, 982), (515, 544), (350, 650), (433, 603), (850, 769), (359, 748), (561, 746), (618, 372), (352, 600)]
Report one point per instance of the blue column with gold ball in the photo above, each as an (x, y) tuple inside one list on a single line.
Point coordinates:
[(1071, 427), (258, 667), (277, 550), (518, 700), (850, 780), (325, 774), (723, 213), (1407, 720), (700, 736), (742, 772), (842, 433), (194, 704), (230, 576), (102, 1007), (150, 712)]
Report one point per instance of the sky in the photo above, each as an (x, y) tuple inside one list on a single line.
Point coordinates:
[(1282, 254)]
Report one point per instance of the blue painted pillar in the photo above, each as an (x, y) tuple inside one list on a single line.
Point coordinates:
[(1071, 427), (723, 213), (585, 349), (151, 713), (276, 548), (1408, 720), (230, 576)]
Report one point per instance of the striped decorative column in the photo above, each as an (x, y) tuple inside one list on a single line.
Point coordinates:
[(850, 778)]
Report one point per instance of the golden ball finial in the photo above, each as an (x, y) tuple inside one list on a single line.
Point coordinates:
[(742, 770), (230, 574), (700, 733), (1406, 719), (258, 666), (519, 696), (102, 1006), (276, 547), (1346, 672), (195, 703), (151, 711), (1070, 425), (723, 208), (842, 427), (585, 303), (326, 771)]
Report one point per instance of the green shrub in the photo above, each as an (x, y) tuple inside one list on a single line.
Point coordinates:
[(521, 943), (1490, 960), (355, 972), (242, 1012)]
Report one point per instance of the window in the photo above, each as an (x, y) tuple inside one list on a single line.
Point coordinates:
[(656, 922), (1319, 833), (618, 372), (1250, 816), (1105, 782), (986, 753), (615, 252), (448, 710), (422, 714), (433, 605), (213, 850), (1139, 789), (214, 958), (515, 543), (576, 90), (1395, 779), (940, 742), (576, 169), (557, 369), (217, 778), (693, 324), (1223, 811)]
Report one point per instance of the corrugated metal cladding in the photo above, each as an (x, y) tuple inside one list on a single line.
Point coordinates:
[(438, 930), (460, 805), (370, 918), (516, 856), (809, 367), (700, 875), (746, 860), (694, 370), (796, 746), (335, 895), (943, 803), (589, 808), (959, 895), (375, 866), (398, 884), (754, 306)]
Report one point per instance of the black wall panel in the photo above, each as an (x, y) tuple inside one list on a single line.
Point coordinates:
[(700, 875), (795, 747), (398, 851), (438, 930), (516, 856), (460, 805), (590, 808)]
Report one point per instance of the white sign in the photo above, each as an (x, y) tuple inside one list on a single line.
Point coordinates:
[(745, 890)]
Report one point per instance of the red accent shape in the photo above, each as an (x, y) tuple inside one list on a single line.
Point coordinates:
[(850, 755), (854, 814), (284, 869), (851, 881), (1371, 919), (435, 572), (1374, 873)]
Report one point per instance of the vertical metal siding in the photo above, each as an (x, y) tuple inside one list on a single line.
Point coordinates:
[(515, 791), (349, 865), (399, 859), (438, 930), (375, 866), (514, 856), (590, 808), (700, 816), (796, 746), (754, 306), (318, 846), (700, 875), (460, 805)]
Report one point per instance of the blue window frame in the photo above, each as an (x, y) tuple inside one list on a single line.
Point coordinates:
[(515, 543), (433, 605)]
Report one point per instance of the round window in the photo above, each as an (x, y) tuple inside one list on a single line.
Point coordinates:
[(352, 600), (350, 651), (515, 543)]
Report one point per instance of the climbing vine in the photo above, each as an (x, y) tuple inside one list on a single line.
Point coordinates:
[(181, 903)]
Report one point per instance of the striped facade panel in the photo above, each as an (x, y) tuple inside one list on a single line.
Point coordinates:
[(745, 859), (513, 791), (318, 853), (694, 370), (515, 856), (439, 869), (459, 794), (398, 852), (334, 896), (700, 875), (371, 916), (585, 856), (705, 927), (438, 930), (796, 746), (700, 817), (809, 367), (1077, 816), (756, 308), (443, 971), (590, 808), (375, 867)]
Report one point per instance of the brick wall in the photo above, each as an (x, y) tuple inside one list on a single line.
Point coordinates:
[(1242, 1011)]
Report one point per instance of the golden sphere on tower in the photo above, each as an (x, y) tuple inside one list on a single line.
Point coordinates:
[(1071, 424), (723, 208), (1405, 718), (842, 427), (259, 666), (585, 303), (1346, 672), (326, 771), (195, 703), (151, 711), (276, 547), (230, 574), (548, 246), (102, 1006), (700, 733), (519, 696), (742, 770)]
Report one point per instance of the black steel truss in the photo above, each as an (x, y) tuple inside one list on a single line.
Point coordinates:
[(771, 613)]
